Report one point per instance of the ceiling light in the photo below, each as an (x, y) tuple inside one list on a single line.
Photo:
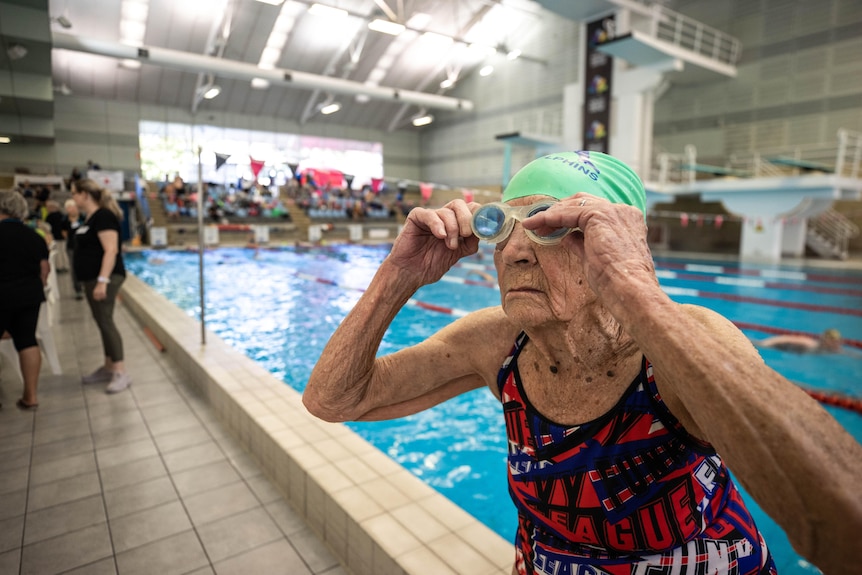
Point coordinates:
[(259, 83), (330, 109), (132, 32), (272, 2), (328, 11), (212, 93), (386, 27), (5, 139), (363, 98), (16, 51), (486, 71), (423, 120), (130, 64), (513, 54), (447, 83)]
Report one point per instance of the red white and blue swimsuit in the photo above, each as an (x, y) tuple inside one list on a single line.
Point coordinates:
[(629, 493)]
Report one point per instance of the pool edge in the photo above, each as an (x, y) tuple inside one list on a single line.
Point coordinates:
[(373, 514)]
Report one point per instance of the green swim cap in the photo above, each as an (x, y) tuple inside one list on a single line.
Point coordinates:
[(566, 173)]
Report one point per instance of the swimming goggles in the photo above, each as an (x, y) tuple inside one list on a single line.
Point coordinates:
[(494, 222)]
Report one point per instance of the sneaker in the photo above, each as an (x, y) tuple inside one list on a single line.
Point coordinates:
[(101, 375), (119, 382)]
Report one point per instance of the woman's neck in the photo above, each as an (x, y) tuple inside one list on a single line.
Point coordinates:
[(593, 340)]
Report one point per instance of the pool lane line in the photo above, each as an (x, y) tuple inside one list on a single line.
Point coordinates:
[(689, 292), (461, 313), (771, 274), (847, 402)]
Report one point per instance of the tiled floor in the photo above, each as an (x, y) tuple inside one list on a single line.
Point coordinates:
[(145, 481)]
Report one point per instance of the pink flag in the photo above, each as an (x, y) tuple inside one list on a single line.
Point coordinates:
[(256, 166), (426, 190), (468, 195)]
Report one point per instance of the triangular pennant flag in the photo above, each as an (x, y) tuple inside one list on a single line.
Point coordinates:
[(293, 168), (426, 190), (256, 166), (221, 159), (349, 179)]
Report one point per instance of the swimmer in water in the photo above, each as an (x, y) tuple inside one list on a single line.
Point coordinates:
[(829, 342)]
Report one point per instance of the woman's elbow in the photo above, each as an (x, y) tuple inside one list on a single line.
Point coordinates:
[(321, 409)]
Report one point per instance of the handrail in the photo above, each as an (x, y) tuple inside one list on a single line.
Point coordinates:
[(835, 228), (842, 157), (692, 35)]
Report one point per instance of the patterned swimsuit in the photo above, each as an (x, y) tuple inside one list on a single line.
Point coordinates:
[(626, 494)]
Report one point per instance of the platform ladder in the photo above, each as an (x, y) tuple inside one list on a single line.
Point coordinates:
[(829, 234)]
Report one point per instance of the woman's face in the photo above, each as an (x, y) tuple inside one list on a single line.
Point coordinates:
[(538, 283)]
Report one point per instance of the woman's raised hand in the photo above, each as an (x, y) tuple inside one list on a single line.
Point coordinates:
[(432, 241)]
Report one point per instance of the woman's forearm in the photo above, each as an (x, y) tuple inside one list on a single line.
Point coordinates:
[(337, 389)]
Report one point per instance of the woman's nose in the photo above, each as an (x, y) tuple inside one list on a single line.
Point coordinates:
[(517, 247)]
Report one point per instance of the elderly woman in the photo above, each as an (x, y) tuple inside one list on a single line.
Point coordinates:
[(624, 410), (99, 267), (23, 274)]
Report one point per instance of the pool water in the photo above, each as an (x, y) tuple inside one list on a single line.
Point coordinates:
[(280, 306)]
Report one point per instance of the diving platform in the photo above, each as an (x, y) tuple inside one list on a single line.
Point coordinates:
[(643, 49), (775, 192)]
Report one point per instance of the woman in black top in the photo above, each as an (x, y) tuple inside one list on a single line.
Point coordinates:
[(23, 274), (99, 267)]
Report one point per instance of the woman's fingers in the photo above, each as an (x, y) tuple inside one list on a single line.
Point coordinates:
[(449, 223)]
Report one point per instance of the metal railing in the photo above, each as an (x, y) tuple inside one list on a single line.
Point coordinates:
[(835, 228), (843, 157), (671, 167), (690, 34)]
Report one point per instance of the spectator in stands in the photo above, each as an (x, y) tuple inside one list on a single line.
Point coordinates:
[(99, 266), (176, 187), (23, 276), (829, 342), (71, 223), (172, 208)]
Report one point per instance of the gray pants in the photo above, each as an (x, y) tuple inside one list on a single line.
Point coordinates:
[(103, 313)]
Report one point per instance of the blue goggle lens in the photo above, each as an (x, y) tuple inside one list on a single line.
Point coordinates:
[(494, 222), (488, 221)]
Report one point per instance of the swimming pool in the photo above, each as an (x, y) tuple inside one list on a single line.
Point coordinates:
[(280, 306)]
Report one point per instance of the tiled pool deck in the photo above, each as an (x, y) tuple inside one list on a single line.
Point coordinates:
[(207, 464)]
